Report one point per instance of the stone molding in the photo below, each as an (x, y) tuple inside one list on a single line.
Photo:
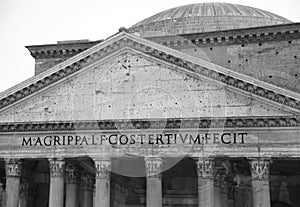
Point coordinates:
[(13, 167), (239, 36), (170, 57), (172, 123), (205, 168), (103, 168), (87, 182), (71, 174), (260, 169), (57, 167), (153, 167)]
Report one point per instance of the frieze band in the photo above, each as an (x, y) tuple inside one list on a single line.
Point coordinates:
[(203, 123)]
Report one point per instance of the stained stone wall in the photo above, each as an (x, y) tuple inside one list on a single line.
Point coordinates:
[(131, 86)]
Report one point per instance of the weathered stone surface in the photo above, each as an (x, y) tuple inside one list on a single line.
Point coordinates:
[(133, 86)]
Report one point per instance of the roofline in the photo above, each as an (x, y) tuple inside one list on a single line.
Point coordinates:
[(282, 97)]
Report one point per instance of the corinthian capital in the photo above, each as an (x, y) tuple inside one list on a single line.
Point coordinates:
[(205, 168), (57, 167), (153, 166), (103, 168), (71, 174), (87, 181), (13, 167), (260, 169)]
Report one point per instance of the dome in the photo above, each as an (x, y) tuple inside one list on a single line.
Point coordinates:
[(205, 17)]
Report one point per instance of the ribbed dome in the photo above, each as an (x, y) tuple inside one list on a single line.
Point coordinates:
[(205, 17)]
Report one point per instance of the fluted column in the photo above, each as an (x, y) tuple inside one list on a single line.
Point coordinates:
[(154, 183), (56, 193), (13, 175), (205, 170), (87, 185), (71, 186), (102, 184), (260, 182)]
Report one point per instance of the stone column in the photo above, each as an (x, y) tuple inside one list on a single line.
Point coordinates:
[(71, 186), (13, 175), (2, 196), (102, 184), (260, 182), (56, 192), (231, 195), (220, 189), (154, 183), (120, 194), (24, 194), (87, 185), (205, 169)]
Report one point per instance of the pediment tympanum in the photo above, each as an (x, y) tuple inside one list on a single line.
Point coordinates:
[(127, 77), (131, 85)]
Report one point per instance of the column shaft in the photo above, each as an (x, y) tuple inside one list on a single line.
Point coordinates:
[(13, 174), (260, 183), (87, 185), (71, 186), (102, 193), (56, 192), (154, 183), (205, 168)]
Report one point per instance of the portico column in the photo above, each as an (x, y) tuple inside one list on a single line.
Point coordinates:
[(71, 186), (24, 188), (56, 193), (13, 175), (260, 182), (102, 184), (231, 195), (87, 185), (220, 195), (154, 184), (205, 169)]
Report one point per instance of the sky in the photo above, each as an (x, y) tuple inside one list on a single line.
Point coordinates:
[(34, 22)]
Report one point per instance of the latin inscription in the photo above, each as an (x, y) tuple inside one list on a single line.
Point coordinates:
[(135, 139)]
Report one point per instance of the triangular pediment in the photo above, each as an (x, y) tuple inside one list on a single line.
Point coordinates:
[(127, 77)]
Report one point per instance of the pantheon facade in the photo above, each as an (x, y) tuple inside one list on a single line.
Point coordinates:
[(196, 106)]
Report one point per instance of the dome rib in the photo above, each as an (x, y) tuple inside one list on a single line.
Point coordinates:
[(198, 18)]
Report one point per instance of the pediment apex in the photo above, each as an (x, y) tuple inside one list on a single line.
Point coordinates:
[(236, 81)]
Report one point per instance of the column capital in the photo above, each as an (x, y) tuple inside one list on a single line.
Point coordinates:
[(13, 167), (71, 174), (220, 179), (103, 168), (260, 168), (205, 167), (153, 166), (57, 167), (87, 181)]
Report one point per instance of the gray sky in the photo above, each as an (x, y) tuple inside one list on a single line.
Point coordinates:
[(33, 22)]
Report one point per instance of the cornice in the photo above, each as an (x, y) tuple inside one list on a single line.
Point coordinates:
[(199, 67), (237, 36), (174, 123), (59, 50)]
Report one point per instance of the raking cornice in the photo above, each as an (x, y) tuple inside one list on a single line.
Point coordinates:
[(264, 91)]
